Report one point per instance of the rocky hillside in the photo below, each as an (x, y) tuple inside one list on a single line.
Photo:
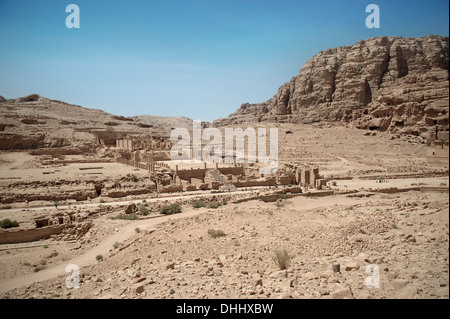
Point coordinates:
[(33, 122), (164, 121), (385, 83)]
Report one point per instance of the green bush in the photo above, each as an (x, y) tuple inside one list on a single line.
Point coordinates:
[(170, 209), (282, 259), (143, 210), (8, 223), (38, 268), (334, 183), (216, 233), (99, 257), (215, 205), (199, 204), (126, 217), (133, 178)]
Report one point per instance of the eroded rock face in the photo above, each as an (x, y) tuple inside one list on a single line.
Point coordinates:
[(386, 83)]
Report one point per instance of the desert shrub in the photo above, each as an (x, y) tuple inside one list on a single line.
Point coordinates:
[(143, 210), (126, 217), (199, 204), (137, 230), (334, 183), (38, 268), (102, 201), (116, 245), (282, 259), (216, 233), (99, 257), (117, 184), (282, 196), (170, 209), (8, 223), (279, 205), (214, 205), (290, 173)]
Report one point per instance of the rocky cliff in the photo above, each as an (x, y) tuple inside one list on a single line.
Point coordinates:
[(385, 83)]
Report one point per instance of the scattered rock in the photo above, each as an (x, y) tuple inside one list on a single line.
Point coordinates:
[(138, 289), (344, 293)]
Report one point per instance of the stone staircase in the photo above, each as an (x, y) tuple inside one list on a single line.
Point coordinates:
[(218, 177)]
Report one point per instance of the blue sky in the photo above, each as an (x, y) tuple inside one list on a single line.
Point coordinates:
[(196, 58)]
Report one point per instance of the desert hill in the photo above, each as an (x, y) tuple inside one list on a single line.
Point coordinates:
[(34, 121), (164, 121), (386, 83)]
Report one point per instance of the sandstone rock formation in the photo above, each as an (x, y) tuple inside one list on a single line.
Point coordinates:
[(386, 83), (33, 121)]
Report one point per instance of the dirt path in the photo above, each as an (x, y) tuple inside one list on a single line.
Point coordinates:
[(126, 232), (89, 257)]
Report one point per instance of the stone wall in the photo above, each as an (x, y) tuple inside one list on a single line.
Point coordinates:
[(237, 170), (171, 189), (252, 183), (27, 235), (188, 174), (286, 180)]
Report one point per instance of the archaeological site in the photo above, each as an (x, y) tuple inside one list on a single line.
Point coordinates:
[(92, 204)]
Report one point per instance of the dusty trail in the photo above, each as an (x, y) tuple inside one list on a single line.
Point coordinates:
[(126, 232), (88, 257)]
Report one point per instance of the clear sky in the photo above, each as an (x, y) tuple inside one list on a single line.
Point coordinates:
[(196, 58)]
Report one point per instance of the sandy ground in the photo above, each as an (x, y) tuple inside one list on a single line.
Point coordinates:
[(404, 234)]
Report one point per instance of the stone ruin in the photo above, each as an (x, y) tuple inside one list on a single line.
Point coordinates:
[(140, 154), (60, 226)]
